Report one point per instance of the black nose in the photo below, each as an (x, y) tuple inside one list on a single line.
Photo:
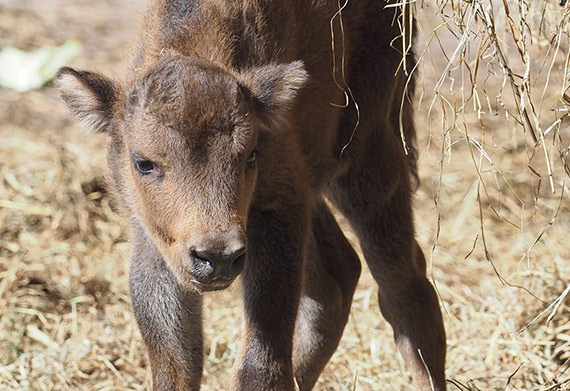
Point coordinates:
[(224, 265)]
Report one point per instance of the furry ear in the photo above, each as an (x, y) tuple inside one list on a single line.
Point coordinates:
[(273, 88), (89, 96)]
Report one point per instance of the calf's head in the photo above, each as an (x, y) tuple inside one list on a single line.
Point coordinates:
[(185, 147)]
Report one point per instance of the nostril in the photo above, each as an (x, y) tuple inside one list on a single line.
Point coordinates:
[(218, 264), (204, 257), (238, 261), (238, 254)]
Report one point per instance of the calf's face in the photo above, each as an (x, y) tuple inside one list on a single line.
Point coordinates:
[(184, 152)]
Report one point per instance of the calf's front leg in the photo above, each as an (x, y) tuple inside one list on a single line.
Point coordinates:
[(169, 319), (272, 284)]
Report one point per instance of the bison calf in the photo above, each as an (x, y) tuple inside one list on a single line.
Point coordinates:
[(231, 125)]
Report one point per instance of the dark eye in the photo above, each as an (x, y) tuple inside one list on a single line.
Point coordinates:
[(144, 167), (251, 159)]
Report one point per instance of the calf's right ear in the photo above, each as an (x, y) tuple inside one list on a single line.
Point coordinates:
[(89, 96)]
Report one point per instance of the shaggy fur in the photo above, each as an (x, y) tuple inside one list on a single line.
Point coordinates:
[(224, 136)]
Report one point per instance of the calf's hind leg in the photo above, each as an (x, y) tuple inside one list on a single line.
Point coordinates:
[(374, 194), (331, 271)]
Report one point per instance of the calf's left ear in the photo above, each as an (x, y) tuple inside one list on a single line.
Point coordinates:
[(273, 88), (89, 96)]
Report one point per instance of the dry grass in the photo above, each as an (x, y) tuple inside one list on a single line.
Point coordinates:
[(485, 199)]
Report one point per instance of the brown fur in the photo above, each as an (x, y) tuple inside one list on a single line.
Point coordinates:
[(225, 134)]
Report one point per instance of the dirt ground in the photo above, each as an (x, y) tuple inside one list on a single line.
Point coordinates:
[(65, 317)]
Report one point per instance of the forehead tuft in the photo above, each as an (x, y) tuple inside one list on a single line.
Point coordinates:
[(181, 92)]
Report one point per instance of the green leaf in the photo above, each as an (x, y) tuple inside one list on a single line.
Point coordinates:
[(23, 71)]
